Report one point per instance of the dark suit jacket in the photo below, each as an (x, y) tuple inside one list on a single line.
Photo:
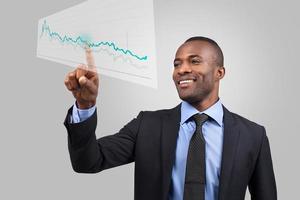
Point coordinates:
[(149, 140)]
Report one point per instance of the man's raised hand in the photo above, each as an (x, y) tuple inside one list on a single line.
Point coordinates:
[(83, 82)]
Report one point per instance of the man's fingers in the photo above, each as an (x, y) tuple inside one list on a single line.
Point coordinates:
[(67, 83), (90, 59), (83, 82), (73, 81), (81, 70)]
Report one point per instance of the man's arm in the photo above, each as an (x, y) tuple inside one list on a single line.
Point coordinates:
[(89, 155), (262, 185)]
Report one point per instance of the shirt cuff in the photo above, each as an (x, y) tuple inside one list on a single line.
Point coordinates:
[(79, 115)]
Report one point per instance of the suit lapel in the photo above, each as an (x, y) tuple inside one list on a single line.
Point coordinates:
[(230, 143), (170, 129)]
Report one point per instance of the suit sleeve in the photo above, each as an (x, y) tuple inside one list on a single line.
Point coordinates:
[(91, 155), (262, 184)]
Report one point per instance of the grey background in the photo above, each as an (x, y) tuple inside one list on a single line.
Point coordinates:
[(260, 40)]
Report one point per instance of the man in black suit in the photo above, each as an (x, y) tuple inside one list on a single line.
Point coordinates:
[(237, 151)]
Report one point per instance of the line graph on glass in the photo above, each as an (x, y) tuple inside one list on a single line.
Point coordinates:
[(120, 34)]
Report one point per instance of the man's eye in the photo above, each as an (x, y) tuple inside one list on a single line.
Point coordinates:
[(195, 61), (176, 64)]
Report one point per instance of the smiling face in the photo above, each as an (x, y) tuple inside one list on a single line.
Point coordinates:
[(196, 73)]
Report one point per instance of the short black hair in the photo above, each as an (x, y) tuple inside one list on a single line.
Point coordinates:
[(219, 53)]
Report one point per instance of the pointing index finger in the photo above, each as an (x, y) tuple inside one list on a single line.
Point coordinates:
[(90, 59)]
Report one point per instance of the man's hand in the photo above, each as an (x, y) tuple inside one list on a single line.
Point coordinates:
[(83, 82)]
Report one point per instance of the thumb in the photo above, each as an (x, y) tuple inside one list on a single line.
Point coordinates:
[(82, 81), (88, 84)]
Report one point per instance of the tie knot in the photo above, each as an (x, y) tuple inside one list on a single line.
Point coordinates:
[(200, 119)]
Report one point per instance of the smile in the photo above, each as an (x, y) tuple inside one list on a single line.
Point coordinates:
[(185, 81)]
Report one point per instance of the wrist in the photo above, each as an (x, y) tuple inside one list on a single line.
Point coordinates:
[(85, 105)]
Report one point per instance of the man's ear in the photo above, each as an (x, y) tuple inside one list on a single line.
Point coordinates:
[(220, 72)]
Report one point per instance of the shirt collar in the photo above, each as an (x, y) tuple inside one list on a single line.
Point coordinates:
[(215, 112)]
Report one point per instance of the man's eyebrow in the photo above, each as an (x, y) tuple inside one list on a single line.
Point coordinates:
[(189, 57), (194, 56)]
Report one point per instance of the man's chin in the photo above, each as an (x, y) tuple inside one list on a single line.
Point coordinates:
[(191, 99), (188, 98)]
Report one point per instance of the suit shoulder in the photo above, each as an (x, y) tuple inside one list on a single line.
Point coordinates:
[(246, 123), (157, 112), (157, 115), (249, 130), (160, 112)]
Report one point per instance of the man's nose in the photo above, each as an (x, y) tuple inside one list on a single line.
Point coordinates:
[(184, 68)]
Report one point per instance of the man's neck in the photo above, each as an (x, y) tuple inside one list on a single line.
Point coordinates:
[(204, 104)]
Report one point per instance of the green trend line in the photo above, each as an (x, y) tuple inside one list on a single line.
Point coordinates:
[(80, 40)]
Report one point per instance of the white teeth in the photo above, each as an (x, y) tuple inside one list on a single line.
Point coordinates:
[(185, 81)]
